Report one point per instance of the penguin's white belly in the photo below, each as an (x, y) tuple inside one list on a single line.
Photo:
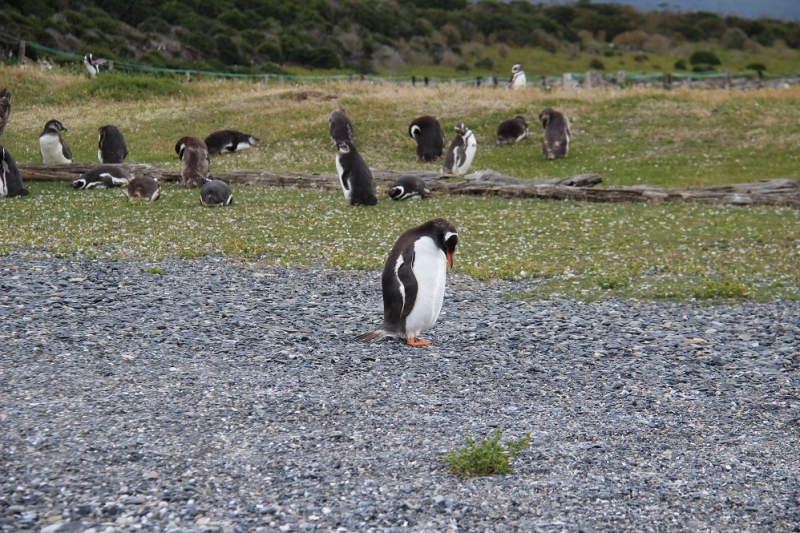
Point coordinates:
[(51, 150), (243, 145), (340, 170), (430, 270), (519, 81)]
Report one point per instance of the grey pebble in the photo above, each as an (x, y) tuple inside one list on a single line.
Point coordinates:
[(131, 401)]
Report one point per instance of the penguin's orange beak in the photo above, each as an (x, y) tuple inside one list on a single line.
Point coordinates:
[(449, 259)]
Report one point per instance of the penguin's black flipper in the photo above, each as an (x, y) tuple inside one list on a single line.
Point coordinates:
[(406, 275), (65, 149)]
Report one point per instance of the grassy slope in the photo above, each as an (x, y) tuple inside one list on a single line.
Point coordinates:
[(579, 250)]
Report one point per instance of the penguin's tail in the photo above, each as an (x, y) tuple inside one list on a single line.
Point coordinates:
[(372, 336)]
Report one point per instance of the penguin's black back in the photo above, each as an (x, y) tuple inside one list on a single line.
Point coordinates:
[(111, 145), (457, 148), (510, 130), (430, 140), (223, 141), (358, 177), (10, 178), (408, 186), (102, 176)]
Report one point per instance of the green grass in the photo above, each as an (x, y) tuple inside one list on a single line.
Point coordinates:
[(572, 250), (489, 457)]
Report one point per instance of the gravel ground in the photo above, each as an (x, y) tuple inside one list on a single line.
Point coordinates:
[(221, 397)]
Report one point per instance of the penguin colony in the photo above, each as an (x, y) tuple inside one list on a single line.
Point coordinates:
[(414, 275)]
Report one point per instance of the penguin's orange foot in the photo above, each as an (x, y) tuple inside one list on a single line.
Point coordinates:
[(413, 341)]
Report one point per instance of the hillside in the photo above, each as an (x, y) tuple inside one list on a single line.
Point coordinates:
[(369, 36)]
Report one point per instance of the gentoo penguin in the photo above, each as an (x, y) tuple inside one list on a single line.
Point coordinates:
[(143, 188), (413, 281), (340, 126), (10, 179), (52, 147), (111, 147), (407, 187), (429, 136), (5, 109), (512, 130), (226, 141), (354, 175), (517, 80), (194, 161), (556, 133), (94, 65), (215, 193), (102, 177), (461, 152)]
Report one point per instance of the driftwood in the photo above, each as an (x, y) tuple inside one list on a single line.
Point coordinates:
[(485, 182)]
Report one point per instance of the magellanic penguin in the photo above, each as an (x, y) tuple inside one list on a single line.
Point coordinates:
[(429, 136), (517, 80), (52, 147), (408, 187), (143, 188), (512, 130), (5, 109), (354, 175), (413, 281), (461, 152), (10, 178), (340, 126), (94, 65), (228, 141), (102, 177), (215, 193), (194, 161), (556, 133), (111, 147)]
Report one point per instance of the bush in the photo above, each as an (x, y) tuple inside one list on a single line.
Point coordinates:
[(608, 52), (272, 52), (701, 57), (640, 58), (596, 64), (487, 458), (680, 64), (485, 63), (755, 66)]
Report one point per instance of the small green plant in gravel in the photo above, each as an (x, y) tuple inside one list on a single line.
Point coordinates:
[(153, 270), (486, 458)]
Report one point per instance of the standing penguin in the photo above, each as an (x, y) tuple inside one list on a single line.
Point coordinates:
[(143, 188), (215, 193), (111, 147), (354, 175), (512, 130), (5, 109), (225, 141), (52, 147), (194, 161), (340, 126), (408, 187), (429, 136), (94, 65), (413, 281), (517, 80), (461, 152), (10, 179), (102, 177), (556, 133)]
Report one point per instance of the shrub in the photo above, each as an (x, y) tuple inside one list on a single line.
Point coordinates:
[(608, 52), (755, 66), (596, 64), (680, 64), (485, 63), (487, 458), (640, 58), (272, 52), (701, 57)]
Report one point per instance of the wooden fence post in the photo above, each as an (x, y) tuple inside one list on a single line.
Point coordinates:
[(21, 54), (566, 80), (621, 77)]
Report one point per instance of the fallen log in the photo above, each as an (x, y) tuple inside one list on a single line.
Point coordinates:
[(485, 182)]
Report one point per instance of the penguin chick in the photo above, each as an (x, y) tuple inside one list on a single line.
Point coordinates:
[(354, 175), (111, 147), (413, 281), (461, 152), (408, 187), (10, 178), (102, 177), (512, 130), (228, 141), (194, 161), (556, 134), (428, 133), (143, 188), (215, 193), (341, 128), (52, 146)]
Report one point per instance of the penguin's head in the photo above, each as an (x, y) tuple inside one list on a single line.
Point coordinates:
[(180, 146), (521, 120), (79, 183), (89, 58), (396, 192), (446, 235), (544, 116), (516, 68), (414, 131), (461, 129), (54, 125)]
